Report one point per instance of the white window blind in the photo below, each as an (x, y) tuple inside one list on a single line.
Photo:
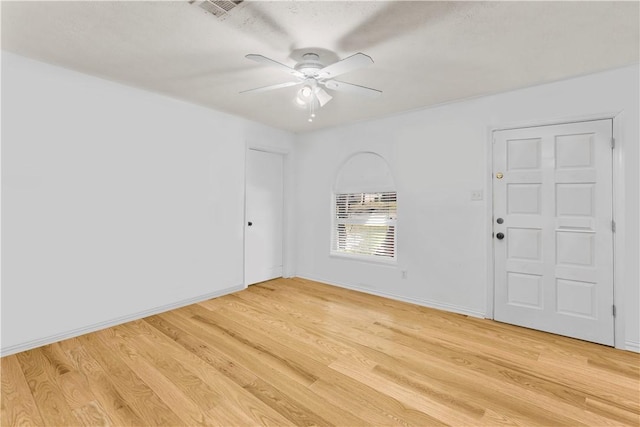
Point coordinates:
[(365, 224)]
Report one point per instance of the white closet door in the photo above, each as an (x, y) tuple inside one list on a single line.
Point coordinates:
[(264, 216)]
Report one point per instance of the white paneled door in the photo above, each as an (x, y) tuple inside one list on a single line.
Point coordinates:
[(553, 229), (264, 216)]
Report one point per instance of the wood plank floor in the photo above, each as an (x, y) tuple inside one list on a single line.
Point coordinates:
[(296, 352)]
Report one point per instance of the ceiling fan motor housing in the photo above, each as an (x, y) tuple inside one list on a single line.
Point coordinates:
[(310, 64)]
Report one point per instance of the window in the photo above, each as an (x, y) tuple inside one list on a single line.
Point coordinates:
[(365, 225)]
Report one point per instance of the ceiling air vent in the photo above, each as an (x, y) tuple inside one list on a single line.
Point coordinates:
[(218, 8)]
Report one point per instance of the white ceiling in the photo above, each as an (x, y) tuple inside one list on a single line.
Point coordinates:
[(425, 53)]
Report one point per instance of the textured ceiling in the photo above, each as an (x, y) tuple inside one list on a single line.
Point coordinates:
[(425, 53)]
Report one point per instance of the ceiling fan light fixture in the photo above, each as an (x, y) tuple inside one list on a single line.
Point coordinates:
[(300, 102), (304, 95), (322, 96), (306, 91), (306, 98)]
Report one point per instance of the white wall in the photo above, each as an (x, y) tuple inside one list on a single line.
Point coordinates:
[(438, 156), (116, 202)]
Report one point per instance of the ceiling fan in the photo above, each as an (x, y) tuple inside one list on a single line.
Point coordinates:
[(313, 75)]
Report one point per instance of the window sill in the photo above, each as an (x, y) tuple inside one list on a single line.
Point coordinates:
[(391, 262)]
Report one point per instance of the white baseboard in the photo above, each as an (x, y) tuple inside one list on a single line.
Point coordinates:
[(425, 303), (632, 346), (17, 348)]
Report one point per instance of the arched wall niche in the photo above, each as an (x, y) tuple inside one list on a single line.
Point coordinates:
[(364, 172)]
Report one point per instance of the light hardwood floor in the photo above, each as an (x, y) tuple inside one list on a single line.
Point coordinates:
[(296, 352)]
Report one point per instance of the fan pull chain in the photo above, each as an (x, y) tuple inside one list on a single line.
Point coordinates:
[(312, 111)]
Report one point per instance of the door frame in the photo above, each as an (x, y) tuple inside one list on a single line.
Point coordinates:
[(287, 209), (619, 208)]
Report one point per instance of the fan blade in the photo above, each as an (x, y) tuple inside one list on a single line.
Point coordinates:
[(322, 96), (391, 20), (271, 62), (353, 62), (271, 87), (351, 88)]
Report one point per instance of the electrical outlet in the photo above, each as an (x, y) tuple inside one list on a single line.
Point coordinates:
[(476, 195), (404, 274)]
